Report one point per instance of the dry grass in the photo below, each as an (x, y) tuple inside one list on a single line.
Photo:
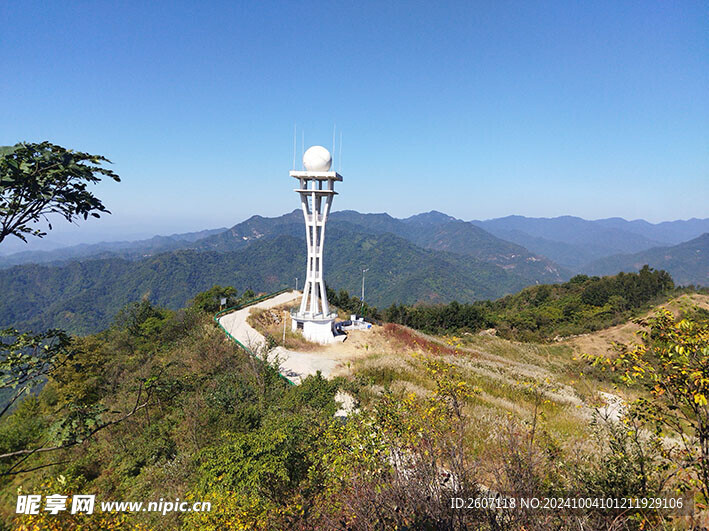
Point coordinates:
[(408, 338), (513, 379), (601, 342), (566, 387), (503, 372)]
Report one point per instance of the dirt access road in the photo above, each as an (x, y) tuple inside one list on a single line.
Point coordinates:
[(293, 365)]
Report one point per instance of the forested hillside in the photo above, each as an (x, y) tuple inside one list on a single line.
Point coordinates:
[(541, 313), (83, 296), (198, 400), (162, 407), (434, 231), (688, 262), (124, 249), (428, 258)]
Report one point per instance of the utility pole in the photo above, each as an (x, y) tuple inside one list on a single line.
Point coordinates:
[(363, 272), (285, 318), (296, 283)]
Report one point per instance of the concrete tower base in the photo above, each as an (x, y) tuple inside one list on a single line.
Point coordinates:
[(318, 329)]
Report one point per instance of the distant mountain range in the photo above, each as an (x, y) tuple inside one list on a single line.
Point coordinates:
[(126, 249), (569, 241), (409, 261), (433, 231), (687, 262), (84, 296), (430, 257), (574, 242)]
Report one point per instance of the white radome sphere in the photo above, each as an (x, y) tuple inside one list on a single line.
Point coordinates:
[(317, 158)]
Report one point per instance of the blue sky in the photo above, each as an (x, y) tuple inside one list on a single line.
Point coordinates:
[(477, 109)]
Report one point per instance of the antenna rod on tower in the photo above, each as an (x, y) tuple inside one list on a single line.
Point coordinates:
[(334, 127), (339, 157), (295, 142), (302, 147)]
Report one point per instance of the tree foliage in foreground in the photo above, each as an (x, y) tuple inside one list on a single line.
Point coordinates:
[(25, 358), (36, 181), (671, 365), (39, 180)]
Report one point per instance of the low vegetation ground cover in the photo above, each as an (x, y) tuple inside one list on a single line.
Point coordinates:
[(182, 412)]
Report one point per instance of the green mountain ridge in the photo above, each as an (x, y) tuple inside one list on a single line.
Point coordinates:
[(568, 241), (427, 258), (124, 249), (431, 230), (84, 296), (688, 262)]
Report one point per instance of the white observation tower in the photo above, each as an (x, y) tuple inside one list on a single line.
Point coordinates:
[(316, 189)]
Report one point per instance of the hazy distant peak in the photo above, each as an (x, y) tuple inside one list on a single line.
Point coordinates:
[(356, 213), (687, 262), (433, 217), (704, 238), (617, 219)]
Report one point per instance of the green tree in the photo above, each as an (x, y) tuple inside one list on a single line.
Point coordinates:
[(138, 318), (37, 180), (210, 300), (672, 365), (25, 358)]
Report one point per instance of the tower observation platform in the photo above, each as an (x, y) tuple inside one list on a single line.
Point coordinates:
[(316, 187)]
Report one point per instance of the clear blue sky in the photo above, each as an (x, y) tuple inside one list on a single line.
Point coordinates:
[(478, 109)]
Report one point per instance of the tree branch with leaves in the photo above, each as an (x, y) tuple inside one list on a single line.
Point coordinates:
[(40, 180), (671, 365), (27, 357)]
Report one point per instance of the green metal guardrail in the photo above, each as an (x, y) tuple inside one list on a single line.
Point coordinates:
[(240, 307)]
